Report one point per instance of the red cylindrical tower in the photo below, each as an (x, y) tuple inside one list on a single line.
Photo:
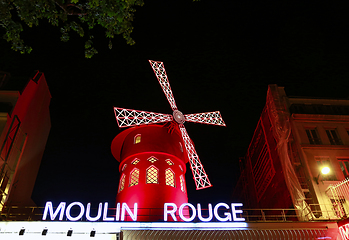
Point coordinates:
[(152, 169)]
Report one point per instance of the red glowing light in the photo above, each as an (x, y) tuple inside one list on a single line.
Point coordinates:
[(344, 231), (129, 117)]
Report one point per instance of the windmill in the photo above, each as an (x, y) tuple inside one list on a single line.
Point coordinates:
[(152, 158), (128, 118)]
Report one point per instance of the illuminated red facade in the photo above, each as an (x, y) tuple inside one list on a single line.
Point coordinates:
[(295, 138), (24, 127), (152, 169), (262, 177)]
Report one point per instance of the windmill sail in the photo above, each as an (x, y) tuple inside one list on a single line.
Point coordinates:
[(129, 117)]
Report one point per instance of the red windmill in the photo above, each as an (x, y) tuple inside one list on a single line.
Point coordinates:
[(150, 153)]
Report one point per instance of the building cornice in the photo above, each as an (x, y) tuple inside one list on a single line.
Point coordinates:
[(325, 147), (319, 118)]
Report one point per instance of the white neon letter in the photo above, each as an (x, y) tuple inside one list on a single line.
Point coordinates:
[(49, 208), (105, 213), (228, 215), (117, 216), (181, 212), (210, 215), (88, 209), (171, 212), (82, 211), (234, 211), (132, 215), (343, 230)]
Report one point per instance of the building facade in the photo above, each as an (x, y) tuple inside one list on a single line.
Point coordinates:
[(294, 140), (24, 128)]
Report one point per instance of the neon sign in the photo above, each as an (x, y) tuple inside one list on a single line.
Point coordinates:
[(61, 209), (344, 231), (228, 215), (171, 211)]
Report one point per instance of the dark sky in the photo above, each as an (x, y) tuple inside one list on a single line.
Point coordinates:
[(219, 55)]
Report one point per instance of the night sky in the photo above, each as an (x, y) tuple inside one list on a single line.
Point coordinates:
[(219, 55)]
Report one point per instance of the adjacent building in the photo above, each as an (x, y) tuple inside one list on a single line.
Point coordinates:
[(24, 128), (294, 140)]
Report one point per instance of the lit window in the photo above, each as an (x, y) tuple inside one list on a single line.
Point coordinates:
[(333, 137), (169, 162), (137, 139), (123, 167), (134, 162), (170, 177), (122, 182), (313, 136), (181, 179), (180, 146), (152, 175), (180, 167), (134, 177), (344, 164), (152, 159), (325, 162)]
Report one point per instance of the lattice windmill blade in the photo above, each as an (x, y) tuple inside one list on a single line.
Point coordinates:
[(159, 70), (129, 117), (200, 176), (212, 118)]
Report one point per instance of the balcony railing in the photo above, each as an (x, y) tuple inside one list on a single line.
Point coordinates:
[(320, 212), (338, 194)]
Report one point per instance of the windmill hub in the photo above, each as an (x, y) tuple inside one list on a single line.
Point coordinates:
[(178, 116)]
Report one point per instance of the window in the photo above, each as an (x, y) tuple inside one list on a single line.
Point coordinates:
[(325, 162), (134, 162), (122, 183), (333, 137), (180, 167), (124, 167), (134, 177), (152, 159), (169, 162), (313, 136), (170, 177), (181, 179), (137, 139), (152, 175), (344, 164)]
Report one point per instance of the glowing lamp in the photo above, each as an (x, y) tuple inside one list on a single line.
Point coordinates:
[(324, 170)]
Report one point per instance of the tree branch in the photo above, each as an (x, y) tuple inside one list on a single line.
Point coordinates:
[(69, 8)]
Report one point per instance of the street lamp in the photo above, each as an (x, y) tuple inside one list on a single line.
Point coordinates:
[(324, 171)]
